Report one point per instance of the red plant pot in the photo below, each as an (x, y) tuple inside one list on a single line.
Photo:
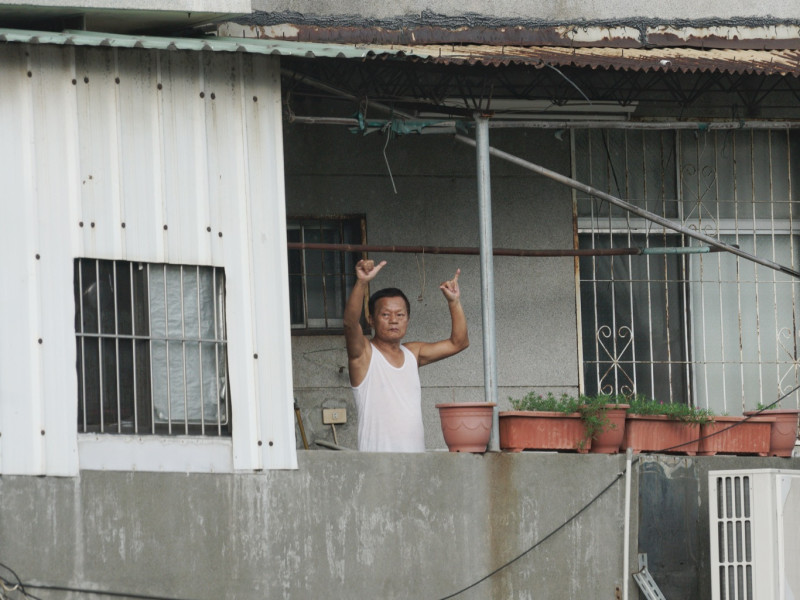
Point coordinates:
[(659, 433), (466, 426), (735, 435), (609, 441), (783, 434), (542, 430)]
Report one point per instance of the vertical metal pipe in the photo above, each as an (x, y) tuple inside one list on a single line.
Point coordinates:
[(626, 542), (487, 274)]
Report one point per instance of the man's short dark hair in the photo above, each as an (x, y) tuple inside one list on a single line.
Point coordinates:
[(388, 293)]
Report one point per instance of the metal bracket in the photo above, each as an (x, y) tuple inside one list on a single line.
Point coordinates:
[(645, 581)]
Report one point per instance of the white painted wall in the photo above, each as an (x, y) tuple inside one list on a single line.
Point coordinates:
[(169, 157)]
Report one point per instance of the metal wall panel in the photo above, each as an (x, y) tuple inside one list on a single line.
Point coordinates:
[(57, 197), (153, 156), (262, 120), (20, 383)]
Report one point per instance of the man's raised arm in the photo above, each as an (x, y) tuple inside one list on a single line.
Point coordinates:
[(356, 342), (459, 338)]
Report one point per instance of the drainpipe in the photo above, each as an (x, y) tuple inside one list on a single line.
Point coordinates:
[(487, 274), (626, 543)]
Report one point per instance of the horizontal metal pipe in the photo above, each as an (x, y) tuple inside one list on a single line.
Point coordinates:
[(497, 251), (632, 208), (447, 124), (645, 125), (342, 94)]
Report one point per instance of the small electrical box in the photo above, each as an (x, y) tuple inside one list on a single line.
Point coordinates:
[(334, 416)]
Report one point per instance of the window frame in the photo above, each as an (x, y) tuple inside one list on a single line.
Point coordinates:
[(345, 259), (126, 312)]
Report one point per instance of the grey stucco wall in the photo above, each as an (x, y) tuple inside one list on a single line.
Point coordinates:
[(331, 171), (344, 525)]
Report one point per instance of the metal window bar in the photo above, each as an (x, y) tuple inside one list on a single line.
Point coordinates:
[(200, 355), (133, 352), (736, 186), (323, 277), (106, 316)]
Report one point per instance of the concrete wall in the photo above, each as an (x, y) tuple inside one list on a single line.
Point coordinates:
[(331, 171), (357, 525), (345, 525), (673, 517)]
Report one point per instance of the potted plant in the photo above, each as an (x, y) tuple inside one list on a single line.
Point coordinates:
[(669, 427), (605, 417), (544, 423), (466, 426), (783, 431), (735, 435)]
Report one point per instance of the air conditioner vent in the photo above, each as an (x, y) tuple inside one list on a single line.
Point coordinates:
[(753, 524)]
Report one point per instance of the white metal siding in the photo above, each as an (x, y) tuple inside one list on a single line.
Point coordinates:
[(156, 156)]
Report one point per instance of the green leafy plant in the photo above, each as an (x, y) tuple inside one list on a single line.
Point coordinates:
[(641, 405), (592, 409), (536, 402)]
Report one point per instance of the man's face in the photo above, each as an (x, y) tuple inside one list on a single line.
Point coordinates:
[(390, 320)]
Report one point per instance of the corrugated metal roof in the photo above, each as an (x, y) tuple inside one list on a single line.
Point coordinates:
[(212, 44), (764, 62)]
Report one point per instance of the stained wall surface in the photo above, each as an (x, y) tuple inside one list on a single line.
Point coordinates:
[(330, 171)]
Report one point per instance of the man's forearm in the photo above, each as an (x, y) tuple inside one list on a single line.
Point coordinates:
[(354, 305), (458, 330)]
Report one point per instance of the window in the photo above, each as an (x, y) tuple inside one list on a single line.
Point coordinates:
[(320, 279), (680, 324), (151, 348)]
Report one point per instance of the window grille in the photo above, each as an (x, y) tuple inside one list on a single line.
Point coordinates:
[(706, 328), (151, 348), (319, 280)]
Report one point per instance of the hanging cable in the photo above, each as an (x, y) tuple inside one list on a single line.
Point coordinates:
[(603, 491), (541, 541)]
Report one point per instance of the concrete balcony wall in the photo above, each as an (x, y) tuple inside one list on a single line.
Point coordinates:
[(344, 525)]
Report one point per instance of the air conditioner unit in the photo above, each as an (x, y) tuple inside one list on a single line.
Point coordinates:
[(754, 523)]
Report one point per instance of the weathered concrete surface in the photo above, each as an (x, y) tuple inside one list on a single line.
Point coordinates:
[(475, 13), (345, 525), (673, 517)]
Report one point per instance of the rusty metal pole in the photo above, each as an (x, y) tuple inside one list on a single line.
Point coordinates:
[(632, 208), (487, 274)]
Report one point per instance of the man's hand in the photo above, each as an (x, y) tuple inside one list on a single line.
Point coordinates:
[(450, 288), (366, 270)]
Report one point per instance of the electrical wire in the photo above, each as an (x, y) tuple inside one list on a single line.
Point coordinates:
[(7, 586), (541, 541), (57, 588), (604, 490), (19, 586), (747, 418)]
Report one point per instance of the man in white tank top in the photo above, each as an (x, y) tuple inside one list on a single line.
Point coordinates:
[(384, 371)]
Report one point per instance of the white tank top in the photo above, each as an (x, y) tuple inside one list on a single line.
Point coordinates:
[(389, 403)]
